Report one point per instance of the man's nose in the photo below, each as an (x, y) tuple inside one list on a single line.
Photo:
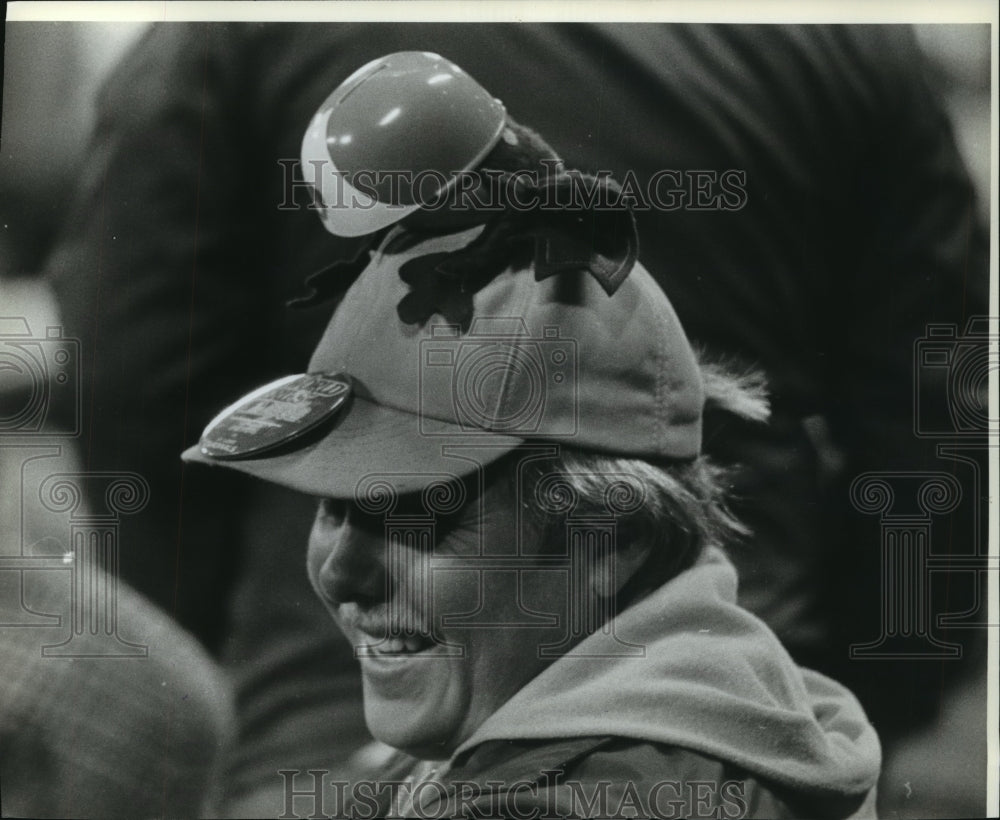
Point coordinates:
[(347, 557)]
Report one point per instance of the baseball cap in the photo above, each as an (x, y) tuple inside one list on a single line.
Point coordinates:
[(557, 360)]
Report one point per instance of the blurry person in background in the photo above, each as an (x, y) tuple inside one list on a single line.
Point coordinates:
[(846, 224), (97, 736), (82, 733), (46, 63)]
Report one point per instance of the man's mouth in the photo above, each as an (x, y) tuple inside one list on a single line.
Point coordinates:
[(395, 644), (377, 634)]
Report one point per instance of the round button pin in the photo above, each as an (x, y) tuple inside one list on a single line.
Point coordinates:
[(275, 415)]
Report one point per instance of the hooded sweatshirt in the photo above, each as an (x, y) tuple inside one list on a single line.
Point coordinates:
[(712, 699)]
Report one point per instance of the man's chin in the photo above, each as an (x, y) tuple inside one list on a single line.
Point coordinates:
[(411, 740), (421, 727)]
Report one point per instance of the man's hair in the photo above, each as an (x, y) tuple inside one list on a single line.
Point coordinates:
[(677, 508)]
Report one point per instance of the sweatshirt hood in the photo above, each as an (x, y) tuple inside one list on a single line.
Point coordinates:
[(712, 678)]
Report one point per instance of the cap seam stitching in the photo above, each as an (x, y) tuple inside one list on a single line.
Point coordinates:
[(502, 396)]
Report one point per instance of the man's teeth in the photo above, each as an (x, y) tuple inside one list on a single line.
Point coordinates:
[(391, 646)]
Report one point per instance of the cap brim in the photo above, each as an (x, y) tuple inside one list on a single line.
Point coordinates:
[(370, 441)]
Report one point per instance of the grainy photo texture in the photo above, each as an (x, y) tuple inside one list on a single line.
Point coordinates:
[(496, 420)]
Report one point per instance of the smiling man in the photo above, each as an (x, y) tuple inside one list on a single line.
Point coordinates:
[(517, 529), (428, 683)]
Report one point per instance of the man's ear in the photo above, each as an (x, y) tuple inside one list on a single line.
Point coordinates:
[(610, 575)]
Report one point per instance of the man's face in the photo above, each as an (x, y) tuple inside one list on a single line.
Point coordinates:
[(442, 641)]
